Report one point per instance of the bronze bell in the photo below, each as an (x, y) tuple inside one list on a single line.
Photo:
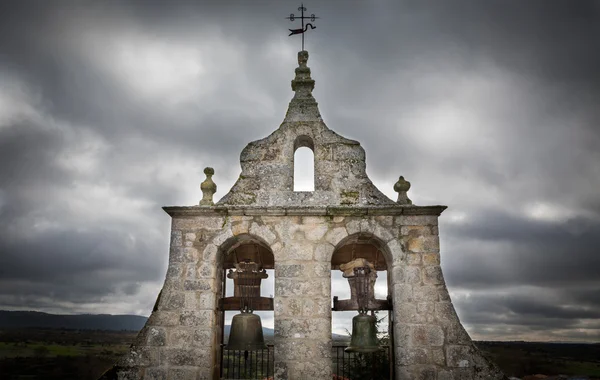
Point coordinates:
[(364, 334), (246, 333)]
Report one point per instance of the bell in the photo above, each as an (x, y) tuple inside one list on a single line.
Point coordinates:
[(364, 334), (246, 333)]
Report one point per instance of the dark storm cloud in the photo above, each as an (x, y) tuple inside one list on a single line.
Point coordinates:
[(109, 110)]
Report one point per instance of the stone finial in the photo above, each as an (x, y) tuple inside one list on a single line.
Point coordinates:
[(303, 84), (401, 187), (302, 58), (208, 187), (303, 106)]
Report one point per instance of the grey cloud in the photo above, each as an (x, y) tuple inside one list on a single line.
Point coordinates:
[(489, 107)]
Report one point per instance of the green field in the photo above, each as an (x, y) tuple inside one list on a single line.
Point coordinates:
[(86, 354)]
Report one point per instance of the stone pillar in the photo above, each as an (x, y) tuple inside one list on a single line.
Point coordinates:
[(302, 302)]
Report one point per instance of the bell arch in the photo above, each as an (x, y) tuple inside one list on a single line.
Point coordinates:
[(362, 250), (304, 164), (235, 255)]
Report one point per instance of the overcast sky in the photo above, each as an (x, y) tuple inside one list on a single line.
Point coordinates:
[(110, 110)]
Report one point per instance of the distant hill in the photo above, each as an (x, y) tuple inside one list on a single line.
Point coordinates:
[(23, 319), (35, 319)]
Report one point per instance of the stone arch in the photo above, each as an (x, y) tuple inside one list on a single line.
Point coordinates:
[(364, 238), (241, 247), (372, 248), (303, 176)]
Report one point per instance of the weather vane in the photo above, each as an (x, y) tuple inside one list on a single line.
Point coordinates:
[(304, 28)]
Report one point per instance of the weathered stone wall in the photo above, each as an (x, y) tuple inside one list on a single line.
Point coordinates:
[(181, 339)]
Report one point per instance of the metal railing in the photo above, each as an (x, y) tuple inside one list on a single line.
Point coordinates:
[(358, 366), (238, 364)]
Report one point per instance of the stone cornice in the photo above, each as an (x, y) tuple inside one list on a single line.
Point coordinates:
[(184, 211)]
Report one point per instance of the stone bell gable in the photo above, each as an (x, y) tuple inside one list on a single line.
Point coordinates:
[(302, 236), (267, 177)]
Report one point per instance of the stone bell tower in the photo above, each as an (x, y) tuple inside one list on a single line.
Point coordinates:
[(302, 236)]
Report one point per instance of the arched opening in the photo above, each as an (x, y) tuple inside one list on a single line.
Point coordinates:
[(237, 253), (304, 164), (361, 249)]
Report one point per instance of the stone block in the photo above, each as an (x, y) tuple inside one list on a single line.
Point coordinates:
[(413, 275), (155, 373), (206, 270), (415, 231), (210, 253), (425, 293), (425, 372), (177, 255), (444, 312), (313, 220), (433, 275), (403, 293), (202, 338), (204, 284), (456, 334), (141, 357), (459, 356), (431, 258), (286, 287), (399, 274), (240, 227), (180, 336), (446, 375), (413, 259), (426, 312), (176, 239), (426, 335), (423, 244), (302, 251), (385, 221), (411, 356), (417, 220), (156, 336), (197, 318), (324, 252), (296, 350), (335, 235), (163, 318), (264, 232), (384, 233), (338, 219), (184, 356), (321, 270), (182, 374), (316, 307), (352, 225), (315, 232), (290, 270), (407, 313), (174, 271), (187, 223), (172, 300), (288, 306), (438, 356), (207, 301), (310, 328), (221, 237)]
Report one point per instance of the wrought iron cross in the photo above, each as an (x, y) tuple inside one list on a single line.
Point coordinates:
[(312, 18)]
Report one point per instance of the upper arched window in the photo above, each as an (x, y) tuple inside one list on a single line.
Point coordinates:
[(304, 164)]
